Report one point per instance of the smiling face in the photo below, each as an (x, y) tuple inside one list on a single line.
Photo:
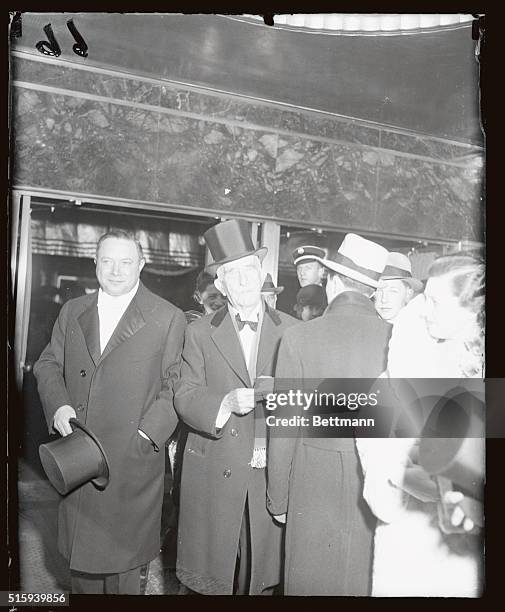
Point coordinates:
[(241, 281), (118, 265), (211, 299), (391, 296), (445, 318), (309, 273)]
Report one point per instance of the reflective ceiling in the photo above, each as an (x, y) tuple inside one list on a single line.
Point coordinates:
[(426, 82)]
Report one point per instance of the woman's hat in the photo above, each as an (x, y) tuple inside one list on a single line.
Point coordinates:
[(398, 267), (74, 460), (311, 295), (269, 287), (359, 259), (228, 241)]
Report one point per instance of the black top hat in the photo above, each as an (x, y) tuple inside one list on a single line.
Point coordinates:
[(269, 287), (228, 241), (73, 460)]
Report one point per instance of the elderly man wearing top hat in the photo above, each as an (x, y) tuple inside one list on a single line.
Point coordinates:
[(396, 287), (228, 542), (316, 484), (309, 266), (112, 362)]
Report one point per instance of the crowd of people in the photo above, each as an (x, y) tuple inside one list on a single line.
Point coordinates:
[(261, 514)]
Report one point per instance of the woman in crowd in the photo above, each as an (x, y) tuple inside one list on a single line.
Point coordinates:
[(439, 334)]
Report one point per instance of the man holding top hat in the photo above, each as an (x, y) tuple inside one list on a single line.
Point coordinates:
[(228, 542), (315, 485), (112, 362)]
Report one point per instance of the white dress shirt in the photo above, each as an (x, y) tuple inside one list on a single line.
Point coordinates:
[(110, 310), (247, 339)]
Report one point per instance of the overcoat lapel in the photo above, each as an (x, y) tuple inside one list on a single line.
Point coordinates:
[(270, 332), (129, 324), (226, 340), (88, 320)]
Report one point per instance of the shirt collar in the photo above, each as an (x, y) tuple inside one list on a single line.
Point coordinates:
[(117, 301), (256, 314)]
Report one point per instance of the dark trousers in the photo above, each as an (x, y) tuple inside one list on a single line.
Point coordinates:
[(125, 583)]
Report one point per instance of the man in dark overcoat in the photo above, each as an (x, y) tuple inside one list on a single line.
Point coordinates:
[(228, 542), (112, 362), (316, 484)]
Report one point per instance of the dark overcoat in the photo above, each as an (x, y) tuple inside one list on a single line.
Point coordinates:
[(128, 387), (318, 481), (216, 475)]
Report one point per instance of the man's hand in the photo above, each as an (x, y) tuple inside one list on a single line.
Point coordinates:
[(280, 518), (240, 401), (61, 419)]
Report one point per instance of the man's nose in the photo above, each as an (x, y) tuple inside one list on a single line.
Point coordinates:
[(115, 267)]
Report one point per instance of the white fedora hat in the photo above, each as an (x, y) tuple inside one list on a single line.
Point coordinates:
[(359, 259)]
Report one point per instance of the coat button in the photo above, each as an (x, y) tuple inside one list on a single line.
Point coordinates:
[(80, 407), (234, 432), (227, 473), (82, 373)]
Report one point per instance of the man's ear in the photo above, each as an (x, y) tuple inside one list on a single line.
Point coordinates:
[(218, 284), (142, 263)]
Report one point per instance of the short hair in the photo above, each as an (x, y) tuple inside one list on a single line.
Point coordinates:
[(120, 235), (353, 285), (466, 278), (203, 280), (465, 275)]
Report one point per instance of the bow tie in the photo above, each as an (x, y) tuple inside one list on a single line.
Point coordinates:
[(252, 324)]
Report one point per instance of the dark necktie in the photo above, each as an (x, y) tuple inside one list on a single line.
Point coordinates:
[(252, 324)]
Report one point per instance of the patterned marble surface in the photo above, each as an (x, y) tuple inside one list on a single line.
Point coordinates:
[(222, 106), (429, 199), (279, 164)]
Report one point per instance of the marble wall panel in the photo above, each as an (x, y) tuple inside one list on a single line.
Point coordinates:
[(85, 81), (75, 144), (79, 145), (215, 166), (328, 127), (426, 146), (355, 199), (323, 183), (236, 108), (218, 106), (428, 199)]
